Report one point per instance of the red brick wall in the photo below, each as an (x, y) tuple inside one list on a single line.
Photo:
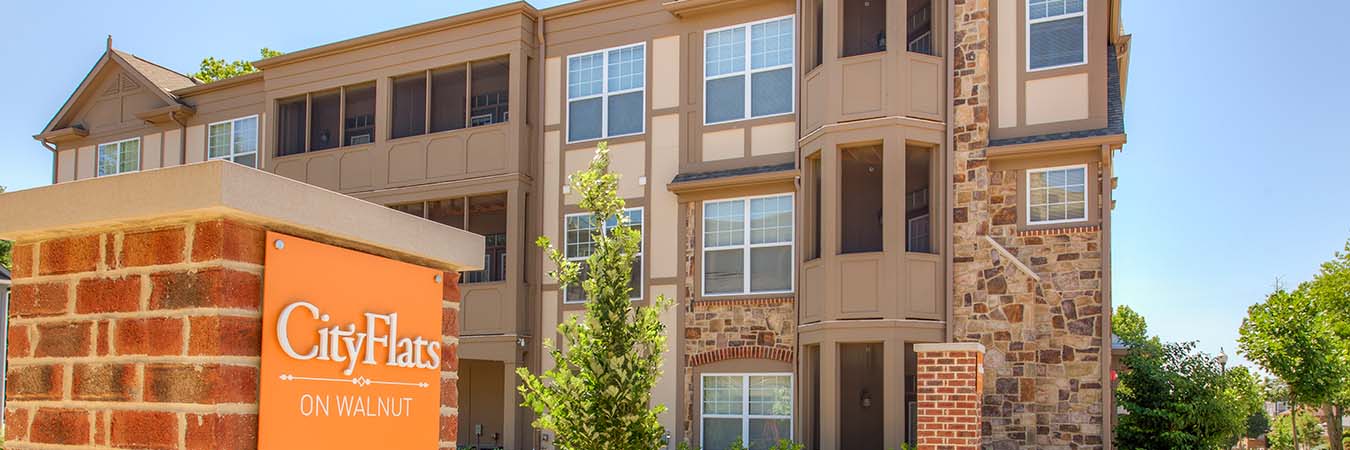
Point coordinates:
[(137, 338), (949, 385), (150, 338)]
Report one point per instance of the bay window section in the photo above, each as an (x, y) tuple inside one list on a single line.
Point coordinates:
[(1056, 33), (234, 140), (747, 246), (450, 98), (861, 180), (325, 120), (606, 93), (119, 157), (747, 71), (753, 408), (864, 27), (579, 244), (486, 215)]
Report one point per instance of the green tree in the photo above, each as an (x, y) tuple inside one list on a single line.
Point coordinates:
[(1291, 335), (1330, 290), (213, 69), (5, 247), (1177, 397), (599, 394), (1258, 424), (1281, 436)]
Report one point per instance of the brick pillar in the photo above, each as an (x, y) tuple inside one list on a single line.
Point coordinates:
[(450, 362), (150, 337), (137, 337), (950, 381)]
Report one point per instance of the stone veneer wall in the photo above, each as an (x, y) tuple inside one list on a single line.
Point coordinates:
[(726, 329), (149, 338), (1043, 373)]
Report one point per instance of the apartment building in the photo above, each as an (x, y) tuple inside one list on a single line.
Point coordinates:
[(821, 185)]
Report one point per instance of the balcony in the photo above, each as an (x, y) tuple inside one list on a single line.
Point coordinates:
[(870, 254), (855, 73)]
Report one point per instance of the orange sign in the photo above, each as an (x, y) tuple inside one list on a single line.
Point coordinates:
[(351, 350)]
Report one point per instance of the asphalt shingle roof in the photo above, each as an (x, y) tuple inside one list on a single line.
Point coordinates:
[(714, 174)]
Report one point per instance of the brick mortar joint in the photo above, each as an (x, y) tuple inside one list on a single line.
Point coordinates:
[(192, 266)]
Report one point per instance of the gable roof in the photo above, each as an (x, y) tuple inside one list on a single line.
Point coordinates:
[(163, 80)]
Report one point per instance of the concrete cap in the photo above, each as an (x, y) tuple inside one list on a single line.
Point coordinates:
[(950, 347), (224, 189)]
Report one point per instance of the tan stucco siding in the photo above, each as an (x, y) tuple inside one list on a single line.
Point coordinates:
[(774, 138), (552, 91), (151, 151), (173, 148), (726, 144), (1007, 73), (664, 224), (196, 144), (666, 76), (65, 164), (1058, 99), (86, 163)]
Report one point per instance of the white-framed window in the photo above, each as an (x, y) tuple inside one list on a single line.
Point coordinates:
[(579, 243), (753, 407), (119, 157), (747, 71), (747, 245), (234, 140), (1057, 195), (1056, 33), (607, 93)]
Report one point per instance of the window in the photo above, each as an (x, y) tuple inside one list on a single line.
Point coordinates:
[(472, 94), (1057, 195), (485, 215), (326, 120), (119, 157), (864, 27), (359, 115), (606, 93), (919, 204), (234, 140), (755, 408), (1056, 33), (747, 71), (861, 180), (817, 34), (579, 243), (920, 27), (747, 245)]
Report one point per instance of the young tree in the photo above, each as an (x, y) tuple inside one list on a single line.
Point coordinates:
[(598, 397), (1291, 336), (213, 69), (1282, 436)]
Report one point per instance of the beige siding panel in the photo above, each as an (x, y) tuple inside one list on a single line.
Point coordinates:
[(552, 188), (485, 151), (667, 390), (574, 161), (173, 147), (773, 138), (355, 170), (85, 165), (1007, 63), (630, 162), (151, 151), (445, 156), (323, 172), (862, 86), (548, 310), (726, 144), (924, 75), (293, 169), (552, 91), (408, 161), (666, 79), (1057, 99), (65, 166), (196, 144), (664, 230)]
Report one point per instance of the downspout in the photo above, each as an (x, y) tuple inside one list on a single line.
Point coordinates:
[(948, 158), (536, 436), (55, 160)]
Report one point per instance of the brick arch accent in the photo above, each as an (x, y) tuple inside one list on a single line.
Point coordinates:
[(742, 352)]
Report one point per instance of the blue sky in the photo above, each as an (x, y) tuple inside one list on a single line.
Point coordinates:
[(1236, 173)]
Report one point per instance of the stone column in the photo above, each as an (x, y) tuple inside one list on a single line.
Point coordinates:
[(950, 381), (136, 315)]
